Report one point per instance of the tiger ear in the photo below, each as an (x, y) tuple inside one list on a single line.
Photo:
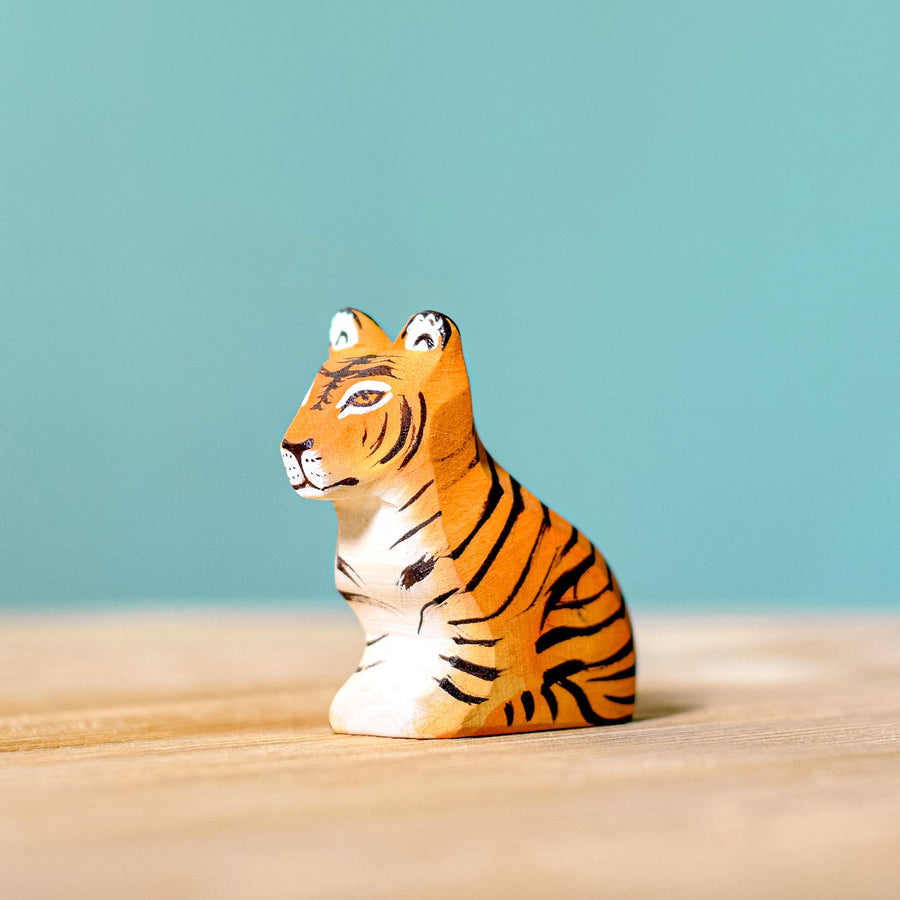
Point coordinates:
[(428, 330), (354, 330)]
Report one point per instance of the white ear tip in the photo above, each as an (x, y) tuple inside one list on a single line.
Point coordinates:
[(344, 331), (426, 331)]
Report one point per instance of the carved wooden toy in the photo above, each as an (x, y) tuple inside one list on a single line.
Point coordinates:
[(484, 611)]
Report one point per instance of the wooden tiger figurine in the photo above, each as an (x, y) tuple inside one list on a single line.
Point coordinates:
[(484, 611)]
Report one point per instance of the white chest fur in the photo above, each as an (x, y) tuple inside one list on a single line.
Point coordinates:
[(383, 565)]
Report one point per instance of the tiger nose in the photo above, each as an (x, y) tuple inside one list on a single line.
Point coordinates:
[(297, 449)]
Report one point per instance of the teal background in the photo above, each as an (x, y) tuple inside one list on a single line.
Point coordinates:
[(668, 232)]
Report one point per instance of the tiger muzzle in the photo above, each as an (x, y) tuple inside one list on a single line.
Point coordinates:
[(295, 456)]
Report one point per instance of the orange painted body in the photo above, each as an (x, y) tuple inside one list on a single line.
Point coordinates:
[(484, 611)]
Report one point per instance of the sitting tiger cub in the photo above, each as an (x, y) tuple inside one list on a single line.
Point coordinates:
[(484, 611)]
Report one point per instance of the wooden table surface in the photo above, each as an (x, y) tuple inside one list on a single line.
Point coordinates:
[(188, 754)]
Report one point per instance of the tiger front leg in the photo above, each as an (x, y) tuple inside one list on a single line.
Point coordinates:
[(413, 687)]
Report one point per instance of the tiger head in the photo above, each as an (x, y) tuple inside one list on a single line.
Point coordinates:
[(379, 409)]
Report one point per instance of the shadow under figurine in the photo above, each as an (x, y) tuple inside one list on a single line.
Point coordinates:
[(484, 611)]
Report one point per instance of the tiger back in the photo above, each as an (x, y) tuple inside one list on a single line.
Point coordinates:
[(484, 611)]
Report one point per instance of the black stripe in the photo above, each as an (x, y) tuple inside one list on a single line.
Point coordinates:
[(417, 494), (412, 531), (417, 571), (568, 579), (580, 603), (585, 708), (453, 452), (493, 498), (366, 601), (380, 438), (446, 684), (369, 666), (508, 710), (566, 632), (564, 670), (485, 673), (365, 435), (528, 705), (477, 458), (487, 642), (621, 653), (418, 438), (547, 693), (573, 666), (540, 590), (560, 675), (345, 568), (436, 602), (380, 637), (405, 422), (570, 543), (616, 676), (518, 505), (545, 524), (413, 431), (372, 372), (625, 701), (328, 487)]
